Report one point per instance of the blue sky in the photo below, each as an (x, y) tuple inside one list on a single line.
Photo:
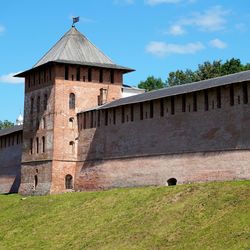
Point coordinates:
[(154, 37)]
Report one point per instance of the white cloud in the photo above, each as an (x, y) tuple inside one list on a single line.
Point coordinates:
[(213, 19), (176, 30), (10, 79), (2, 29), (241, 27), (162, 49), (210, 20), (126, 2), (217, 43), (156, 2)]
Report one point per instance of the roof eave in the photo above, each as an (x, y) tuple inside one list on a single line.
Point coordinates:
[(112, 66)]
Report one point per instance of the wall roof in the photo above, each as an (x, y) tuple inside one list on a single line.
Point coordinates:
[(180, 89), (11, 130)]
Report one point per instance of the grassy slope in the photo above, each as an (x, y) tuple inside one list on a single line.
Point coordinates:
[(197, 216)]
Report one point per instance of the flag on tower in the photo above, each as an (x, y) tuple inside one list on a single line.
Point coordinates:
[(76, 19)]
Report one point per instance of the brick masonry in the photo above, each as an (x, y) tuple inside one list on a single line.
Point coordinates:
[(190, 146), (123, 146)]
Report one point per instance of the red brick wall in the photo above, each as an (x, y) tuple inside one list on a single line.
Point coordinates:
[(109, 150), (61, 129), (10, 164), (156, 170)]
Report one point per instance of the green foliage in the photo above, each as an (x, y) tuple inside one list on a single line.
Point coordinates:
[(197, 216), (206, 70), (151, 83), (6, 124)]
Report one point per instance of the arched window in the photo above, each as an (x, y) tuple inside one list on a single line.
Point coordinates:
[(171, 182), (72, 101), (37, 145), (72, 145), (45, 100), (71, 122), (38, 104), (43, 144), (68, 181), (36, 179), (43, 123)]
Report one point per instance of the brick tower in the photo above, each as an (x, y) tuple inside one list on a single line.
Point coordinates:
[(72, 76)]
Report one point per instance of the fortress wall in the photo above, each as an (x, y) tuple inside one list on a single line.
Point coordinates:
[(36, 178), (157, 170), (174, 144), (10, 162)]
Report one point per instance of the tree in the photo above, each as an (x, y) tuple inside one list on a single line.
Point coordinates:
[(152, 83), (206, 70), (6, 124)]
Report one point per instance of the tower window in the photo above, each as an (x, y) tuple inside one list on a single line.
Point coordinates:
[(72, 101), (45, 100), (43, 123), (39, 77), (28, 80), (43, 144), (31, 105), (206, 100), (37, 145), (218, 95), (78, 73), (231, 92), (101, 75), (112, 76), (245, 93), (89, 74), (72, 145), (50, 73), (68, 181), (34, 78), (31, 146), (66, 76), (38, 104), (35, 180), (44, 75)]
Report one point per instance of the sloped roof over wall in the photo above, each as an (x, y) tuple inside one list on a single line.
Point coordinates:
[(180, 89), (11, 130)]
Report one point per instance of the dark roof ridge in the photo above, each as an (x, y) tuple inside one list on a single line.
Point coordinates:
[(181, 89), (11, 130)]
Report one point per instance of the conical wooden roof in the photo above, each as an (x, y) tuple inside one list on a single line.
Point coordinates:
[(75, 48)]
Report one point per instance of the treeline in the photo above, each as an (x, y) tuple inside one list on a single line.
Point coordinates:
[(205, 71), (6, 124)]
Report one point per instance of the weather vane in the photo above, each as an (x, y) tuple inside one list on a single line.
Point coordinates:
[(75, 20)]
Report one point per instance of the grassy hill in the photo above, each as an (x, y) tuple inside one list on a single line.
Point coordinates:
[(197, 216)]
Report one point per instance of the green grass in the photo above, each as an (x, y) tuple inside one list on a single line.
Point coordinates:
[(197, 216)]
